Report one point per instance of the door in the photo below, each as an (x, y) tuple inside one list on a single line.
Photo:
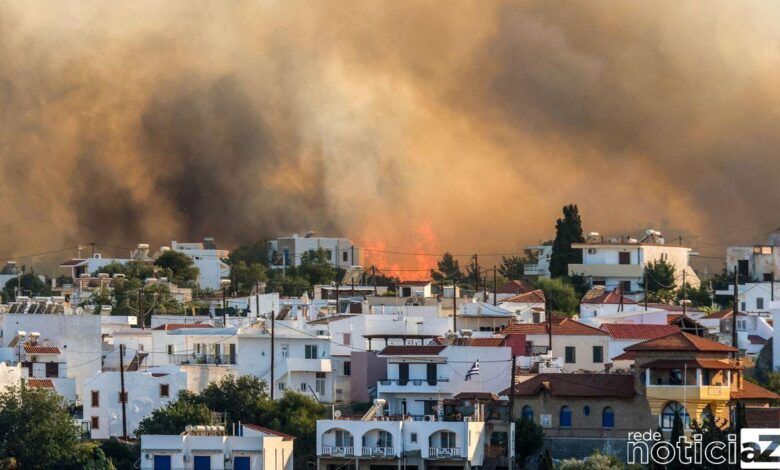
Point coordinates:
[(162, 462), (202, 462), (432, 374), (403, 374), (240, 463)]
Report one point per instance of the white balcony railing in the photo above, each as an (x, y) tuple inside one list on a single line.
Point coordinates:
[(443, 452), (378, 452), (338, 450)]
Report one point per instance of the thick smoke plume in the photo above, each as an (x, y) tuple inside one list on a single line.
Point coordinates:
[(439, 125)]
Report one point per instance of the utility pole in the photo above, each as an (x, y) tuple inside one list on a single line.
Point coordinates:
[(273, 358), (495, 287), (337, 297), (122, 393), (512, 389), (373, 278), (772, 286), (734, 312), (140, 310), (646, 289), (549, 322), (476, 274), (454, 308), (685, 295), (224, 307)]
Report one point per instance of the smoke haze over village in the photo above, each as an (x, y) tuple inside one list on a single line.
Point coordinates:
[(408, 127)]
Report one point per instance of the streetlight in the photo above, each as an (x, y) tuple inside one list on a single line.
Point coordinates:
[(225, 283)]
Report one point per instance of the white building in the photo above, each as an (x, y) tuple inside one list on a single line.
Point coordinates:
[(756, 262), (528, 307), (210, 447), (288, 251), (145, 392), (753, 330), (620, 263), (210, 261), (542, 266), (754, 297), (302, 359)]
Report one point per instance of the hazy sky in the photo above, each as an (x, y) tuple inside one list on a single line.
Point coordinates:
[(413, 126)]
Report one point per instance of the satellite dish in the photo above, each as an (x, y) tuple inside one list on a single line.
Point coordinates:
[(337, 414)]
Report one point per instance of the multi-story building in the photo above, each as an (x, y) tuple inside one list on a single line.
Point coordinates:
[(210, 261), (541, 266), (288, 251), (211, 447), (620, 262), (753, 331), (755, 262)]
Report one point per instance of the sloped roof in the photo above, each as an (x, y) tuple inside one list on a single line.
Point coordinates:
[(638, 331), (577, 385), (40, 383), (414, 283), (720, 314), (265, 430), (680, 341), (755, 339), (565, 326), (481, 396), (477, 342), (412, 350), (751, 391), (532, 297), (33, 349), (179, 326), (612, 298), (516, 286)]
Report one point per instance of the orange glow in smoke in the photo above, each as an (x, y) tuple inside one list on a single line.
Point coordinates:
[(415, 265)]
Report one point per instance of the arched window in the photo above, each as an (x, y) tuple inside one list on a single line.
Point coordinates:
[(565, 417), (607, 417), (527, 413), (672, 409), (385, 439)]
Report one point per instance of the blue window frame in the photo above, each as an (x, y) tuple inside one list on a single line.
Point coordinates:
[(202, 462), (565, 417), (607, 417), (241, 463), (527, 413), (162, 462)]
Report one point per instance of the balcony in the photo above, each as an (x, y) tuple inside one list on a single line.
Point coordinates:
[(534, 270), (413, 386), (299, 364), (682, 393), (338, 451), (378, 452), (444, 452), (607, 270), (203, 359)]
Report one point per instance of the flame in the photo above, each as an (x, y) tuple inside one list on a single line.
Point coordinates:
[(412, 262)]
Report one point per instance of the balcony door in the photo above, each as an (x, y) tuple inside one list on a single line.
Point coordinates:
[(432, 374), (403, 374)]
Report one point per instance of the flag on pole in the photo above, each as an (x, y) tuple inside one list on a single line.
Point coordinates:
[(474, 370)]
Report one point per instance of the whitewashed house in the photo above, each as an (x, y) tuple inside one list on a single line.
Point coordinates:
[(753, 331), (210, 447), (288, 251), (210, 261), (754, 297), (145, 392), (623, 335), (528, 307)]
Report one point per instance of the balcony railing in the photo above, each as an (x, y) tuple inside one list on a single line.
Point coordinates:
[(411, 382), (444, 452), (378, 452), (213, 359), (338, 450)]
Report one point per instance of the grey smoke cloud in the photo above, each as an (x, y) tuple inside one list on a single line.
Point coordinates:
[(435, 125)]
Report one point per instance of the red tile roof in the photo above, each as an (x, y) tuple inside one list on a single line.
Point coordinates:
[(563, 326), (720, 314), (477, 342), (612, 298), (178, 326), (40, 383), (680, 341), (265, 430), (578, 385), (33, 349), (751, 391), (414, 283), (712, 364), (533, 297), (412, 350), (638, 331), (755, 339), (517, 286)]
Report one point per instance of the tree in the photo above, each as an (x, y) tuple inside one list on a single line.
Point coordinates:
[(763, 366), (174, 417), (568, 230), (239, 398), (711, 429), (182, 268), (133, 269), (698, 297), (659, 277), (254, 253), (448, 270), (561, 295), (288, 283), (122, 455), (317, 267), (529, 439), (512, 267), (36, 430), (245, 276), (26, 284)]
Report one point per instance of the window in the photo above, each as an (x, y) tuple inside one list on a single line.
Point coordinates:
[(598, 354), (170, 350), (586, 410), (345, 256), (675, 377), (285, 350), (120, 396), (607, 417), (52, 369), (447, 440), (304, 387), (319, 383), (741, 323), (571, 355), (413, 437), (164, 390), (385, 439), (280, 386), (140, 347), (672, 409), (759, 303), (527, 413), (95, 398), (347, 368), (564, 417), (625, 286), (347, 339), (311, 351), (742, 306), (95, 422), (624, 257), (343, 438)]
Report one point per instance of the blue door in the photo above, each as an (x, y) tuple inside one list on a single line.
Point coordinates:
[(240, 463), (202, 462), (162, 462)]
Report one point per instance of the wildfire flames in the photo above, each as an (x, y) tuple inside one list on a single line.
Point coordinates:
[(406, 265)]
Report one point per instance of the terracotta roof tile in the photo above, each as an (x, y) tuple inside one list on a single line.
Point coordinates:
[(412, 350), (178, 326), (414, 283), (578, 385), (751, 391), (638, 331), (533, 297), (517, 286), (680, 341), (482, 396), (720, 314), (478, 342), (265, 430), (612, 298), (755, 339), (565, 326), (40, 383), (34, 349)]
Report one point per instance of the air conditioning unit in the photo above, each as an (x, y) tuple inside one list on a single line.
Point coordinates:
[(429, 418)]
